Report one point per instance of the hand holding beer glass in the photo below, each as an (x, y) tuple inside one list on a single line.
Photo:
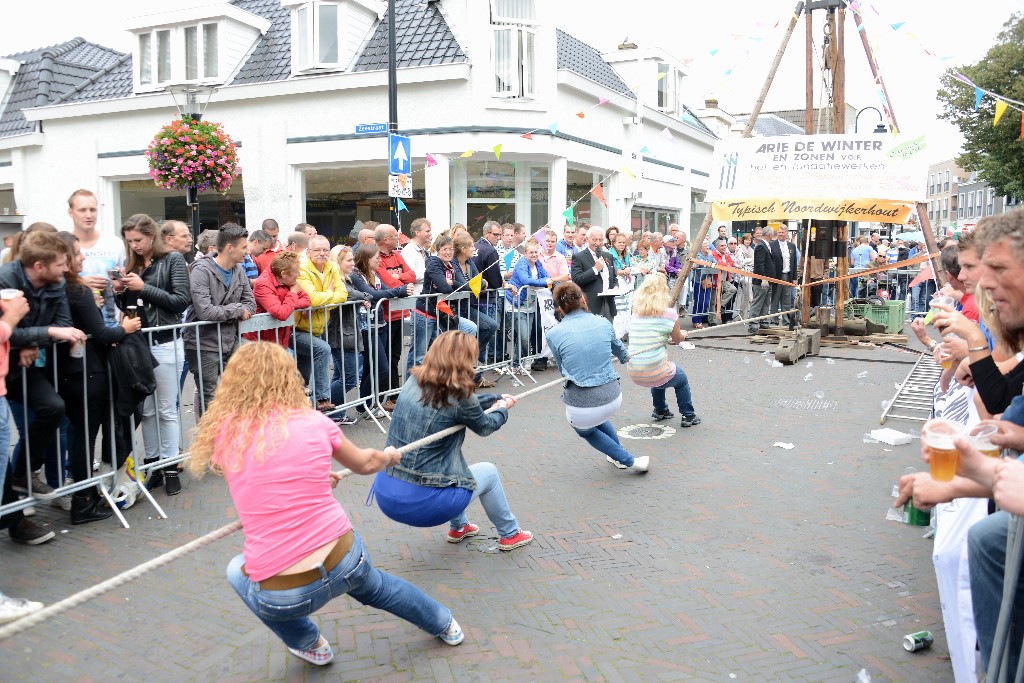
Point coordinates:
[(981, 438), (938, 438), (949, 351)]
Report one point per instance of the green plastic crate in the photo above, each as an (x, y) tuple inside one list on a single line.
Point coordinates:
[(892, 314)]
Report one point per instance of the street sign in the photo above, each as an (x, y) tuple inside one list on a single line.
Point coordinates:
[(400, 185), (367, 128), (399, 154)]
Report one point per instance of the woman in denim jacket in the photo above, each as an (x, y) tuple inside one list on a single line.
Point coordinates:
[(582, 344), (433, 483)]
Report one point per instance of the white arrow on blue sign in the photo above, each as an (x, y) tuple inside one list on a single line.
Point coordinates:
[(399, 154)]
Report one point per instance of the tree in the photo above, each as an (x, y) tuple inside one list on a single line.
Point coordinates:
[(996, 152)]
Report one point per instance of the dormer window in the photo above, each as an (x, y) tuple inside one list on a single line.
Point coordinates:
[(327, 33), (155, 49), (179, 54), (201, 52), (514, 48), (668, 88)]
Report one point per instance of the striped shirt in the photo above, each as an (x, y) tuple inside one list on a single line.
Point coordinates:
[(652, 368)]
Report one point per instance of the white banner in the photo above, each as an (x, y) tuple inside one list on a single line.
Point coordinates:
[(547, 318), (807, 167)]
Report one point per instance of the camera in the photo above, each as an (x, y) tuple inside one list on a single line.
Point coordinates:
[(115, 274)]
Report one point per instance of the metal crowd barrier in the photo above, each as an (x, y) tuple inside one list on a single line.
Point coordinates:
[(516, 340)]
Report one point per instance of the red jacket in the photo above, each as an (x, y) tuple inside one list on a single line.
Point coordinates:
[(279, 301), (393, 271)]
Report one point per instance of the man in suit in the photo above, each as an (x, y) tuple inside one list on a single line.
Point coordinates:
[(764, 265), (594, 271), (788, 268), (492, 301)]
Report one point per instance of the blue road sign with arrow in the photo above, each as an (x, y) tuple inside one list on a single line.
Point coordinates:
[(399, 154)]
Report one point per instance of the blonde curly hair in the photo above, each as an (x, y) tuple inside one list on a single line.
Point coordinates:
[(259, 391)]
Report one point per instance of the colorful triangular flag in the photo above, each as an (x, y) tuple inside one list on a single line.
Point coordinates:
[(1000, 110), (465, 155), (598, 192), (509, 257), (580, 114), (602, 100), (399, 205), (896, 26), (568, 216), (662, 75), (978, 94), (625, 169), (475, 284), (644, 150), (431, 161), (497, 151), (443, 306), (666, 133), (528, 136), (553, 128)]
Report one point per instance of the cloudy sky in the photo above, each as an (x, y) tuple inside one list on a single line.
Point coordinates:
[(727, 46)]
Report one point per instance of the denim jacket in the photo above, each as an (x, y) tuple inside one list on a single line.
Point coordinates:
[(441, 463), (581, 344)]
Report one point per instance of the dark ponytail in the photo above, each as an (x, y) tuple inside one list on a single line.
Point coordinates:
[(569, 297)]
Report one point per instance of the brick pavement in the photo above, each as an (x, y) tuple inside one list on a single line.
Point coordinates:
[(731, 560)]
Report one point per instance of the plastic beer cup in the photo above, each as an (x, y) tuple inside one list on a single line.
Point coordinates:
[(938, 436), (981, 439)]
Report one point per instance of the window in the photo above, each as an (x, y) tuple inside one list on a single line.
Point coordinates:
[(161, 54), (945, 207), (946, 186), (210, 51), (960, 205), (146, 58), (193, 50), (155, 48), (666, 88), (514, 48), (316, 31)]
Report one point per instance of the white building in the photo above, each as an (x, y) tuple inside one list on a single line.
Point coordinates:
[(293, 80)]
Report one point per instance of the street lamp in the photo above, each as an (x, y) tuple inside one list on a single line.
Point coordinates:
[(191, 102), (880, 127)]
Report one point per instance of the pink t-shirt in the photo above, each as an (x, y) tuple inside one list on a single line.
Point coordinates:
[(285, 502)]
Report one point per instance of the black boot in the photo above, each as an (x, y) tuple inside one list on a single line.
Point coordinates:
[(172, 482), (156, 476), (85, 507)]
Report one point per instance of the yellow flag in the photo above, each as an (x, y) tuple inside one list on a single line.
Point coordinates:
[(625, 169), (466, 154), (1000, 110), (497, 151), (476, 283)]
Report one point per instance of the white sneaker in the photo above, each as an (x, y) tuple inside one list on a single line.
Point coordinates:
[(453, 635), (642, 464), (615, 462), (16, 608), (320, 655)]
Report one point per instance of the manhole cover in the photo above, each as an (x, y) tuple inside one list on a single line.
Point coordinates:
[(643, 431), (804, 404)]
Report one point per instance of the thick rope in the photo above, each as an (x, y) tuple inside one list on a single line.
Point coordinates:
[(226, 530)]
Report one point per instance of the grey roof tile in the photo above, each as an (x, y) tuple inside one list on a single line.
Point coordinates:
[(580, 58), (49, 74), (770, 125), (422, 36), (271, 58)]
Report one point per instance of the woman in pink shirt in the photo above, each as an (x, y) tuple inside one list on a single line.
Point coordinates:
[(300, 548)]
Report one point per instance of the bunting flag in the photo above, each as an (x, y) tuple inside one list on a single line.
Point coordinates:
[(645, 150), (663, 74), (465, 155), (528, 136), (625, 169), (541, 236), (497, 151), (553, 128), (443, 306), (598, 192), (713, 53), (666, 133), (431, 161), (581, 114), (1022, 126), (509, 257), (1000, 110), (475, 284), (568, 216), (896, 26), (978, 94), (399, 205), (602, 100)]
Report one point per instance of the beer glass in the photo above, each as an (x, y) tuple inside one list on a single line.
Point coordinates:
[(981, 439), (938, 436)]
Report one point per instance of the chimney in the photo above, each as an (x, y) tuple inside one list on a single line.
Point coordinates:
[(627, 45), (710, 103)]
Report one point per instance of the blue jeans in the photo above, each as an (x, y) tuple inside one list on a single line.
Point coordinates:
[(346, 374), (5, 439), (321, 356), (423, 332), (682, 386), (522, 330), (492, 498), (603, 438), (986, 552), (486, 327), (286, 612)]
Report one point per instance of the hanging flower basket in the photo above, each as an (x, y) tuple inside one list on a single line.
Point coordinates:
[(188, 153)]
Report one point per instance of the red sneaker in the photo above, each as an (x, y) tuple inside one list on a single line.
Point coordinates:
[(465, 532), (520, 539)]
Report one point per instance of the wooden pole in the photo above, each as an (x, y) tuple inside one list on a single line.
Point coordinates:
[(839, 82), (933, 247), (874, 70), (684, 272), (809, 69), (842, 268)]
